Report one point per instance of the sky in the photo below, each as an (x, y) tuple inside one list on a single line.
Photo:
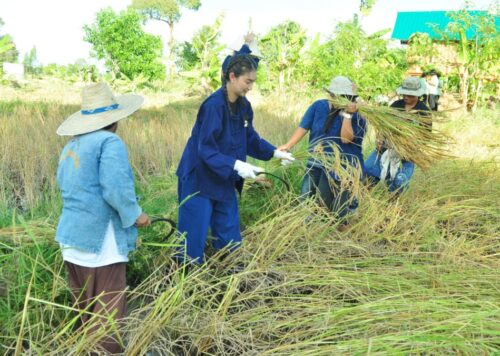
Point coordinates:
[(54, 27)]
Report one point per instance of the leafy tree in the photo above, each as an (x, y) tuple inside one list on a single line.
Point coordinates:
[(478, 56), (202, 56), (281, 48), (81, 70), (350, 52), (365, 6), (127, 50), (186, 58), (30, 62), (168, 11), (420, 49), (8, 51)]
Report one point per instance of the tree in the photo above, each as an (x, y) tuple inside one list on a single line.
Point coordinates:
[(420, 49), (477, 43), (30, 61), (365, 6), (168, 11), (350, 52), (186, 58), (8, 51), (127, 50), (201, 56), (206, 47), (281, 48)]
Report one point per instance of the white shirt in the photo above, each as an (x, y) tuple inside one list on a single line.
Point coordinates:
[(433, 84), (109, 252)]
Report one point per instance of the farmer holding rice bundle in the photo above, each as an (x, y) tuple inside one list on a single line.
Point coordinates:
[(97, 228), (385, 163), (214, 163), (332, 128)]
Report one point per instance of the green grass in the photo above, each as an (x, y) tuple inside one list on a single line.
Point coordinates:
[(418, 275)]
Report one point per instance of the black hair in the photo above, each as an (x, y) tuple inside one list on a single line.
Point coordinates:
[(240, 64), (111, 126), (329, 121)]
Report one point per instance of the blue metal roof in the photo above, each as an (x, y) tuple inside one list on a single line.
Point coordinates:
[(407, 23)]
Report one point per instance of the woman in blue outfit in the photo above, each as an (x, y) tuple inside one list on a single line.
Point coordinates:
[(329, 125), (384, 162), (213, 164)]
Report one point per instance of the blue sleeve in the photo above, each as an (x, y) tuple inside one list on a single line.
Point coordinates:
[(208, 148), (117, 181), (257, 147), (308, 118)]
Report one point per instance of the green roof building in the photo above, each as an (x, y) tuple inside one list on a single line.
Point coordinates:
[(408, 23)]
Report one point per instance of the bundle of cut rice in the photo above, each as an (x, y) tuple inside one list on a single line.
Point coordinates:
[(409, 133)]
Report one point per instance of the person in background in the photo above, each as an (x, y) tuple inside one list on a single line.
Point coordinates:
[(213, 164), (100, 215), (329, 125), (434, 90), (384, 163), (425, 88)]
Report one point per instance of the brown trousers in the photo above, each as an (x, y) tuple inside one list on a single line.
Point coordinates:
[(100, 291)]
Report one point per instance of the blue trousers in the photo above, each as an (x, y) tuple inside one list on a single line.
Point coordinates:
[(403, 176), (335, 199), (198, 213)]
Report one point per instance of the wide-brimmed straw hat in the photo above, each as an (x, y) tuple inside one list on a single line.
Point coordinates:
[(411, 86), (341, 85), (100, 108)]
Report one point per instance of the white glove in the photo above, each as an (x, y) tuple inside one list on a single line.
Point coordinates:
[(285, 157), (246, 170)]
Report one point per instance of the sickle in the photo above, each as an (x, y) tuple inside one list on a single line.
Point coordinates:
[(167, 220), (278, 178)]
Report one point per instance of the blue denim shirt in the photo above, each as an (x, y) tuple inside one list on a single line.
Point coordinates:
[(217, 140), (97, 185)]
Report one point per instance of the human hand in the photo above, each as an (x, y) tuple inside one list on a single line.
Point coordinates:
[(143, 220), (265, 182), (285, 157), (249, 37), (284, 147), (246, 170)]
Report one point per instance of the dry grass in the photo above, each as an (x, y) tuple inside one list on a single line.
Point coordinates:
[(416, 275), (407, 132)]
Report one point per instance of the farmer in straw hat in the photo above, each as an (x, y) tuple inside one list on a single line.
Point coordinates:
[(214, 163), (384, 163), (344, 129), (97, 228)]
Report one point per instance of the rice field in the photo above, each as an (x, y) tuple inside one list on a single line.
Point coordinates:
[(412, 276)]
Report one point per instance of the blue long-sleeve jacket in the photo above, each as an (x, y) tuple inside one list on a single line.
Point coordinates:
[(97, 185), (217, 141)]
